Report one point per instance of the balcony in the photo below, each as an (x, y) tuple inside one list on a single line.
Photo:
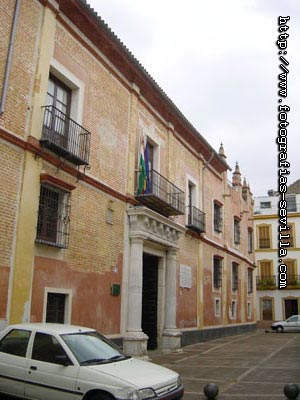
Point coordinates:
[(65, 137), (196, 219), (293, 281), (161, 195), (266, 282)]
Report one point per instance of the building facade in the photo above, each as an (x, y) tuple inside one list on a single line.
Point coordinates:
[(273, 302), (117, 213)]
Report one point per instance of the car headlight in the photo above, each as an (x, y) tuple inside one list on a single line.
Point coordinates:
[(179, 381), (141, 394)]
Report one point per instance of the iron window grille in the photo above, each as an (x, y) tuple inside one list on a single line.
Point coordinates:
[(218, 220), (250, 281), (250, 241), (53, 217), (235, 277), (56, 308), (217, 272)]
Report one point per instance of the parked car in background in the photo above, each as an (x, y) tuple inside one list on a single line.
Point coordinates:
[(65, 362), (292, 324)]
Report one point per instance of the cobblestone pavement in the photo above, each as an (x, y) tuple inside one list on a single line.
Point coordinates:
[(245, 367)]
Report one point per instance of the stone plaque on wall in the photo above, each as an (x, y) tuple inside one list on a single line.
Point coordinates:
[(185, 276)]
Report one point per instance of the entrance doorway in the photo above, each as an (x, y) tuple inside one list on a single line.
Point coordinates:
[(150, 297), (291, 307)]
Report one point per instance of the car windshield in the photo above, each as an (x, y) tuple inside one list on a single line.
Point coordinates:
[(92, 348)]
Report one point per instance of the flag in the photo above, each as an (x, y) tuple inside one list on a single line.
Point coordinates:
[(142, 180), (148, 184)]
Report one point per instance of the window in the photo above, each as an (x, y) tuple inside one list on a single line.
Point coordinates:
[(60, 133), (264, 237), (233, 309), (235, 276), (191, 194), (55, 311), (291, 203), (292, 277), (266, 269), (267, 309), (217, 272), (265, 204), (218, 221), (53, 217), (217, 307), (15, 342), (249, 310), (250, 240), (237, 230), (287, 236), (46, 348), (250, 281)]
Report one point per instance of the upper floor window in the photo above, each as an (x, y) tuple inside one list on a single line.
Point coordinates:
[(235, 276), (265, 268), (217, 272), (250, 281), (62, 134), (250, 240), (53, 216), (264, 237), (59, 95), (291, 203), (265, 204), (287, 235), (218, 218), (237, 230)]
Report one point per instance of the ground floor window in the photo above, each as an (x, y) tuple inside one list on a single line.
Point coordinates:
[(267, 309), (56, 307)]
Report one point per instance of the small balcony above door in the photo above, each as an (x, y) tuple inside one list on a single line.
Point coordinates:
[(65, 137), (159, 194)]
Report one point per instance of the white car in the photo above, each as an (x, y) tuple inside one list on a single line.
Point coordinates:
[(65, 362), (292, 324)]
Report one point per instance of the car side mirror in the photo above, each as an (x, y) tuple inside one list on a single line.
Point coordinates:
[(62, 359)]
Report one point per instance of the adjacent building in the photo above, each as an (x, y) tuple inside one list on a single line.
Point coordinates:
[(274, 303), (116, 212)]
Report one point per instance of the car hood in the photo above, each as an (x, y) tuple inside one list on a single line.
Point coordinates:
[(138, 373)]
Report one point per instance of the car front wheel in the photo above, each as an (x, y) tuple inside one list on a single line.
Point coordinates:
[(279, 329)]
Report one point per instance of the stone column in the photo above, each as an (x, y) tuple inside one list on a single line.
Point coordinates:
[(171, 335), (135, 341)]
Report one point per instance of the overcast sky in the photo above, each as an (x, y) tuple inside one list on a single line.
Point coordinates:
[(218, 62)]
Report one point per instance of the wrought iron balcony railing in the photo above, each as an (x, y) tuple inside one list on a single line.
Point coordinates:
[(270, 282), (266, 282), (160, 194), (196, 219), (293, 280), (65, 137)]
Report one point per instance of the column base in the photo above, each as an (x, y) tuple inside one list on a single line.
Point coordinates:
[(171, 341), (135, 344)]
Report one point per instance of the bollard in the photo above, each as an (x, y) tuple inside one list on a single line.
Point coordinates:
[(211, 391), (291, 390)]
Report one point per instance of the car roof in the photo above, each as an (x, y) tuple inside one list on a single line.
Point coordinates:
[(46, 327)]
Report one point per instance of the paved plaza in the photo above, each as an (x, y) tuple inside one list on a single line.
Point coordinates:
[(251, 366)]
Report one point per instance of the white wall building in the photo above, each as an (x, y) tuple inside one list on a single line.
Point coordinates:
[(273, 303)]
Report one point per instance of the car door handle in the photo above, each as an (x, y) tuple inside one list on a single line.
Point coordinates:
[(34, 368)]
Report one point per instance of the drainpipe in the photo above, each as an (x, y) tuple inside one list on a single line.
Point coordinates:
[(9, 57)]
